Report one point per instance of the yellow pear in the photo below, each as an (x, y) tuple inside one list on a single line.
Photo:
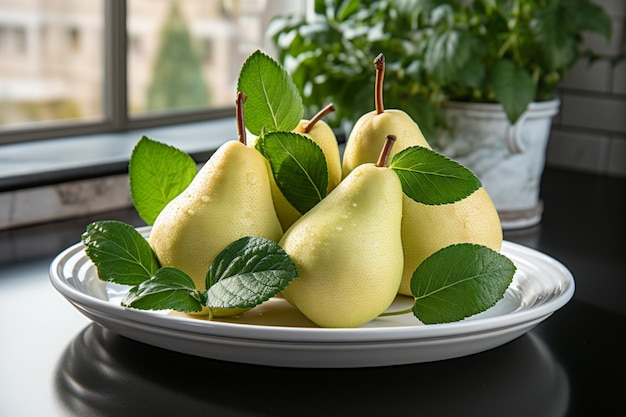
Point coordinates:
[(348, 249), (369, 131), (428, 228), (229, 198), (287, 214), (319, 132)]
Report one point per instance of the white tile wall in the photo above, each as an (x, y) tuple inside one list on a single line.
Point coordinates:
[(585, 152), (619, 78), (586, 76), (605, 113)]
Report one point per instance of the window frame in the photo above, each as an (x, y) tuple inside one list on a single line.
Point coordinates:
[(115, 94)]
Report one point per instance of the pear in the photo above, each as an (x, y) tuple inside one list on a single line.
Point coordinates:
[(369, 131), (319, 132), (229, 198), (428, 228), (348, 249)]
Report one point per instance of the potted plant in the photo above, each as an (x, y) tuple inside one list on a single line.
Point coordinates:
[(448, 63)]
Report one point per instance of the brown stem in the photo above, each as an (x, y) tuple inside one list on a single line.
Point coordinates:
[(379, 62), (386, 151), (241, 125), (318, 117)]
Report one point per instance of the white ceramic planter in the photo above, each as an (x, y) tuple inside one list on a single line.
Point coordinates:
[(509, 159)]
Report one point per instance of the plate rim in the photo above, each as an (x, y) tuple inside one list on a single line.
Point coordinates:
[(311, 335)]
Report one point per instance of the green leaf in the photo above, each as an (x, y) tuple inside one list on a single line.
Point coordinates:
[(347, 8), (169, 288), (459, 281), (429, 177), (299, 167), (273, 101), (442, 16), (121, 254), (472, 74), (555, 32), (448, 53), (248, 272), (157, 173), (594, 18), (513, 87)]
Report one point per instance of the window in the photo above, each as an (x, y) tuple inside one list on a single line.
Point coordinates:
[(70, 68), (49, 76)]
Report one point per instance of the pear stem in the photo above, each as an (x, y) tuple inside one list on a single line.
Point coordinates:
[(329, 108), (384, 154), (379, 62), (241, 126)]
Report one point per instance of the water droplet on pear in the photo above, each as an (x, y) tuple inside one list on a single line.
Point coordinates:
[(251, 178)]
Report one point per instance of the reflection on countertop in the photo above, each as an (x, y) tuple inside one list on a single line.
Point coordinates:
[(102, 373)]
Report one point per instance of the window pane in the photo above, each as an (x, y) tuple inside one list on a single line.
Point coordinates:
[(186, 54), (51, 61)]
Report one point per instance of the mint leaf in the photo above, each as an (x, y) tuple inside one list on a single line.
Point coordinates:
[(273, 101), (169, 288), (120, 253), (459, 281), (157, 173), (248, 272), (429, 177), (299, 167)]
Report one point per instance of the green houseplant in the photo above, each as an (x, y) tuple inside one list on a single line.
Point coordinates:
[(510, 52), (449, 64)]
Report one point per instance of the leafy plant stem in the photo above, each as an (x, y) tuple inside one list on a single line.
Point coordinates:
[(535, 75), (506, 45)]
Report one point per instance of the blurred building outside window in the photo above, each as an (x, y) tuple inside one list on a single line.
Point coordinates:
[(181, 56)]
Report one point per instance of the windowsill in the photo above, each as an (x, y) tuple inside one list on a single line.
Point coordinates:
[(60, 178), (33, 164)]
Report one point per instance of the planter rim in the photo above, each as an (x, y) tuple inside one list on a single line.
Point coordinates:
[(491, 107), (495, 111)]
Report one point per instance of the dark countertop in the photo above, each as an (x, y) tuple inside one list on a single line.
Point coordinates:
[(55, 362)]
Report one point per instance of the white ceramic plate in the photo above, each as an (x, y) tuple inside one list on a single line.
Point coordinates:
[(276, 334)]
